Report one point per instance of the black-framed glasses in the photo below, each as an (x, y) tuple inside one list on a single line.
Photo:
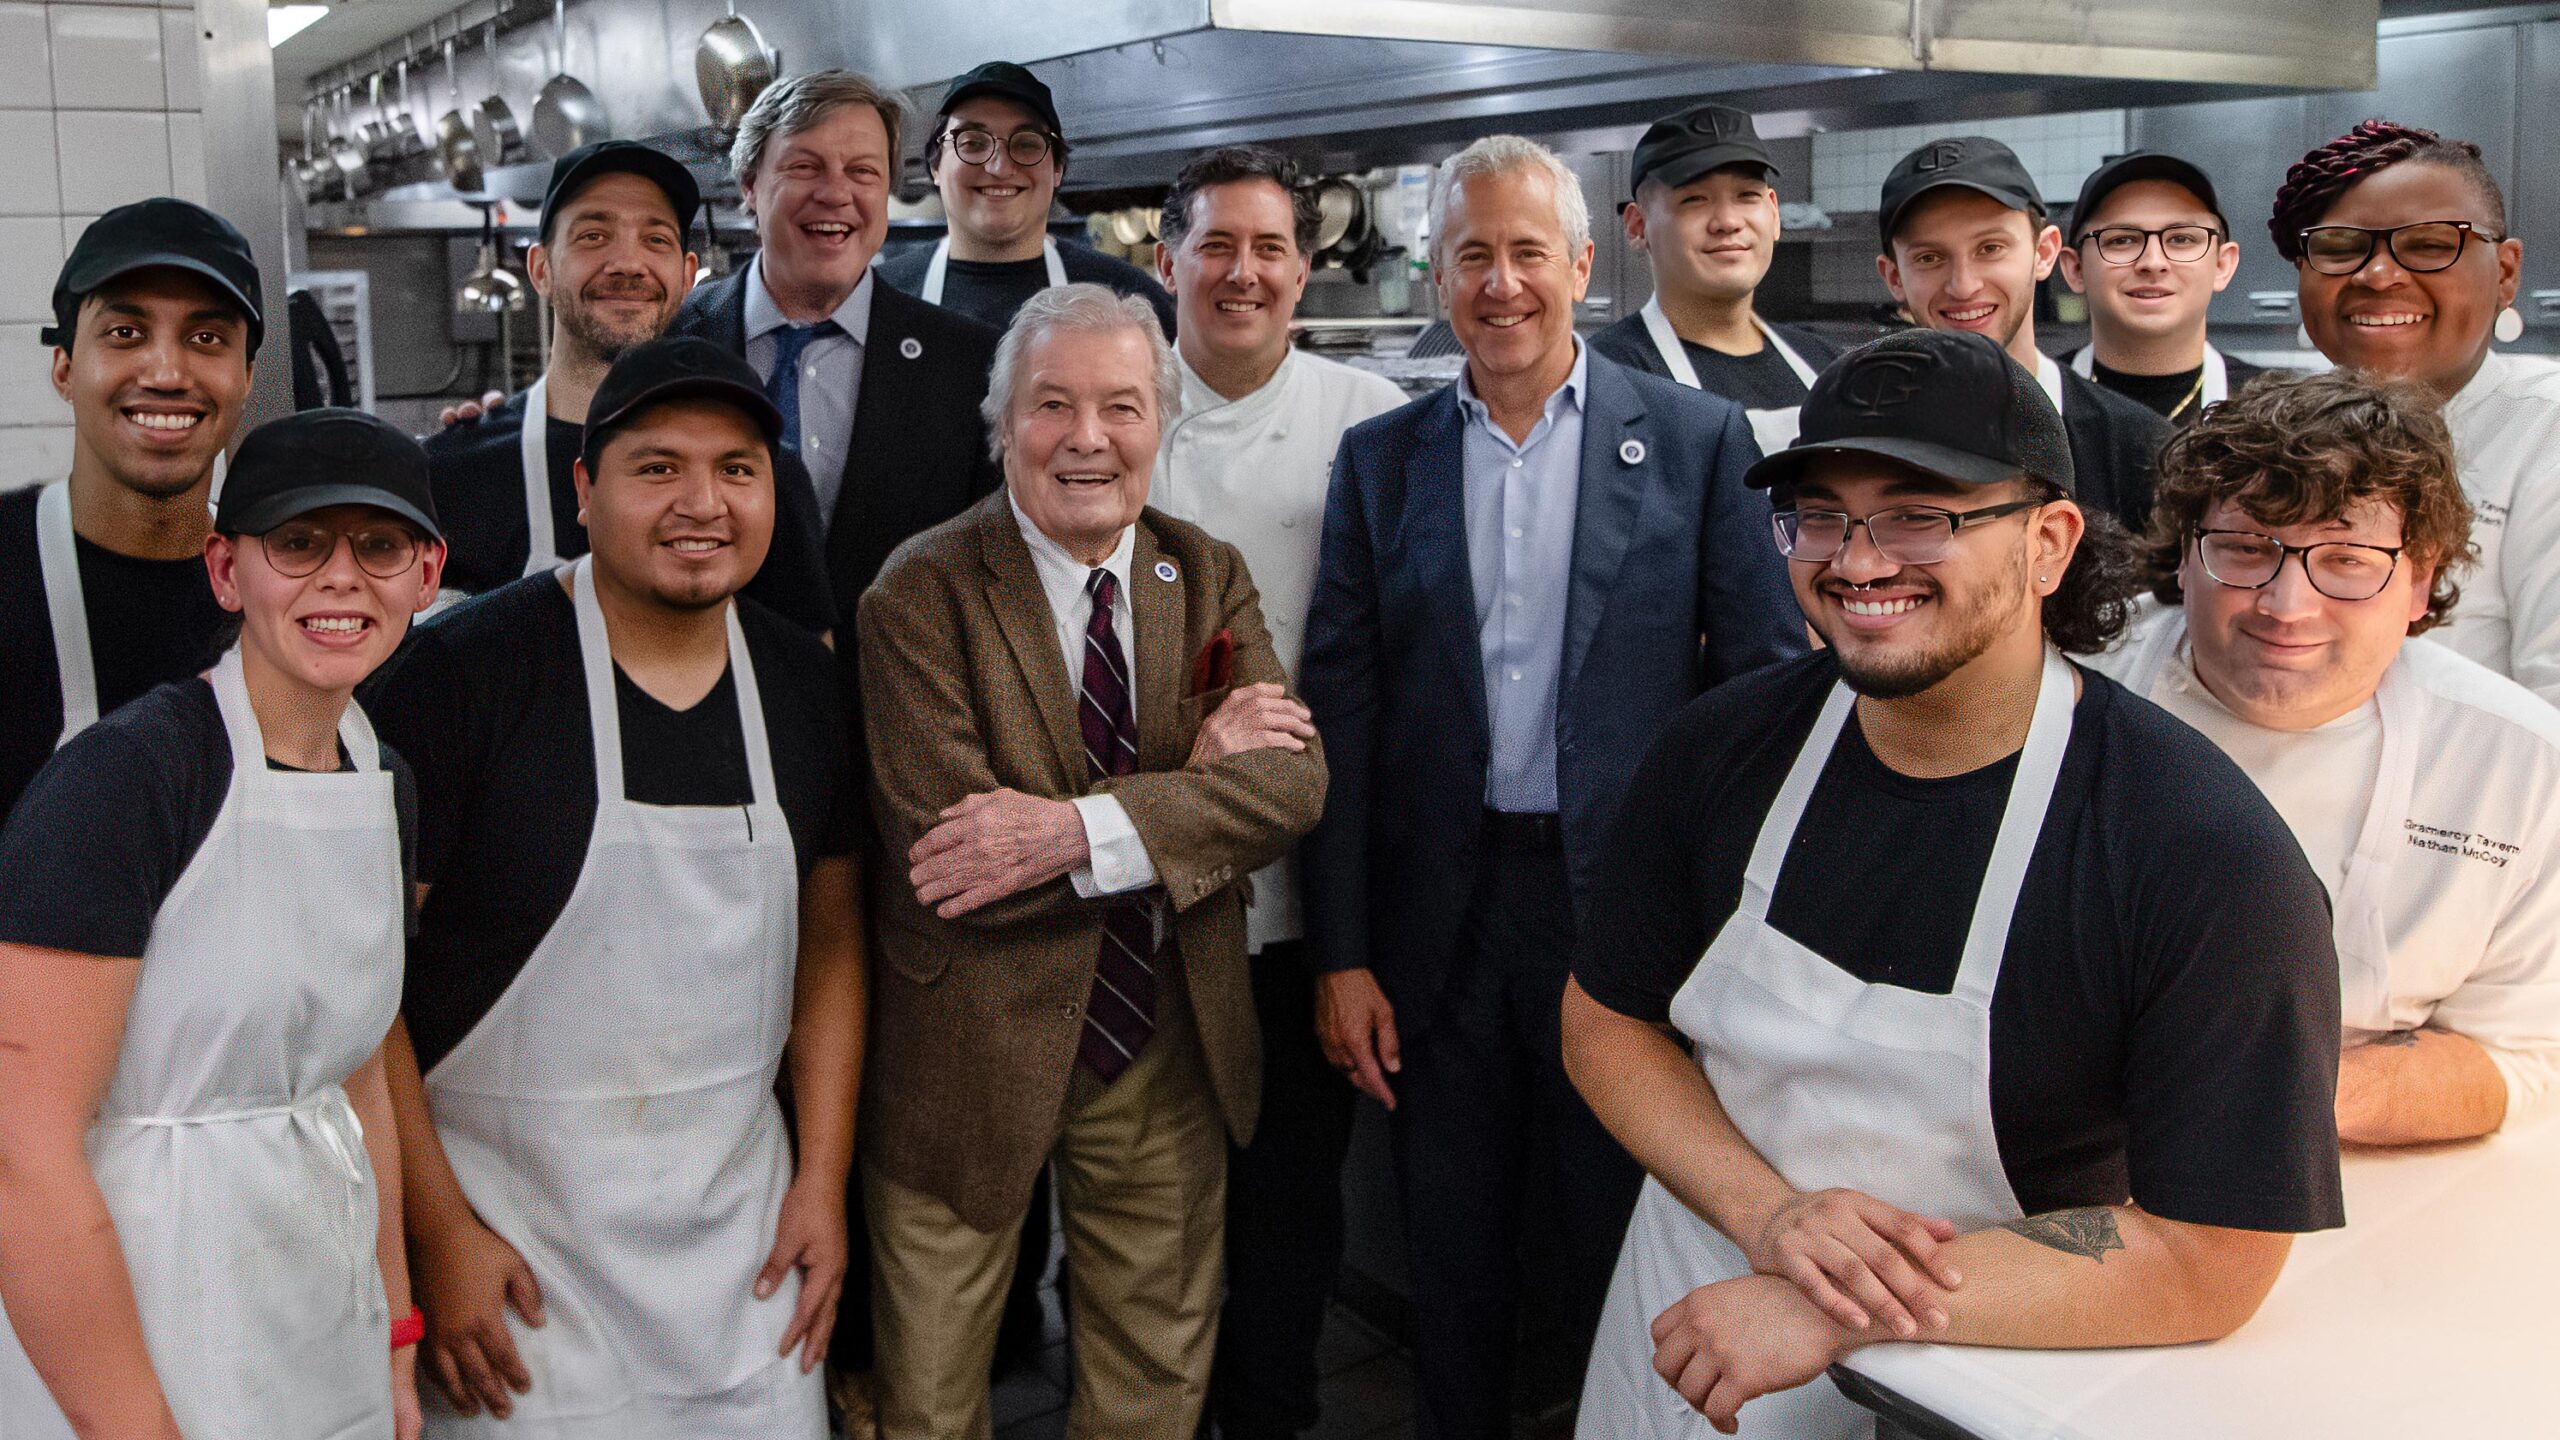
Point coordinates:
[(1025, 148), (384, 549), (1905, 534), (2339, 569), (2421, 249), (2124, 244)]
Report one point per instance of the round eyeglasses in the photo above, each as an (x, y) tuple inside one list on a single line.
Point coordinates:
[(383, 549), (2124, 244), (1905, 534), (2247, 560), (2421, 249), (1025, 148)]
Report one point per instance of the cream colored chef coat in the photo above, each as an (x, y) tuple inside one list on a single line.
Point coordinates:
[(2506, 436)]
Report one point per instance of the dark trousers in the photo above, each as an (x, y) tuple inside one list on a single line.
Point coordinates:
[(1284, 1214), (1494, 1148)]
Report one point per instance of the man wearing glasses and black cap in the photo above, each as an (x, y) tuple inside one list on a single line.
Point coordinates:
[(102, 581), (1705, 214), (1945, 989), (1965, 245), (2150, 249), (639, 908), (998, 155), (613, 263)]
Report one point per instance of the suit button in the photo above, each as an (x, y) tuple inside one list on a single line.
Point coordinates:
[(1068, 1009)]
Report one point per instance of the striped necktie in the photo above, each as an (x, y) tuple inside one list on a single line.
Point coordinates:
[(1121, 1012)]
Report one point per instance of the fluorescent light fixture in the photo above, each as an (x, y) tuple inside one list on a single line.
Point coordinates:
[(286, 21)]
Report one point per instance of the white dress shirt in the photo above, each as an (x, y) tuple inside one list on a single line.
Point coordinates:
[(830, 378), (1116, 859)]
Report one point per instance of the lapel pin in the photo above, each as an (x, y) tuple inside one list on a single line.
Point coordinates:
[(1166, 572), (1631, 453), (911, 347)]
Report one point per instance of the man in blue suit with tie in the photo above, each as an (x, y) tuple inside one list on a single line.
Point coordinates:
[(1525, 575)]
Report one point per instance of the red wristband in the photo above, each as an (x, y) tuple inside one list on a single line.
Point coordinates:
[(409, 1329)]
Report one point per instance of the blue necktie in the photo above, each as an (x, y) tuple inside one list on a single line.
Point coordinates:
[(783, 386)]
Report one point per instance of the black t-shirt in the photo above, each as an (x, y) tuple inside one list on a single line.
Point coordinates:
[(1756, 382), (150, 621), (103, 834), (990, 291), (2165, 1023), (477, 471), (489, 705), (2169, 395)]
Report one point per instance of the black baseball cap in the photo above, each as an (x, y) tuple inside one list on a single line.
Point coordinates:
[(1950, 403), (1679, 148), (2141, 165), (672, 367), (572, 173), (1975, 162), (155, 233), (1006, 80), (313, 459)]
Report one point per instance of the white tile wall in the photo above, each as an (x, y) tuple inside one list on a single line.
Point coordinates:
[(101, 104), (1849, 166)]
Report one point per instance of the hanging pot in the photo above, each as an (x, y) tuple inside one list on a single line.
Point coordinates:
[(493, 122), (1337, 207), (566, 114), (455, 147), (731, 66), (354, 176), (404, 123)]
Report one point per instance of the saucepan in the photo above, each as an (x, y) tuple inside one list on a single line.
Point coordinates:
[(494, 131), (454, 144), (567, 114), (731, 66)]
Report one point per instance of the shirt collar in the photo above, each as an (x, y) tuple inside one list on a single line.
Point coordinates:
[(853, 317), (1570, 392), (1062, 575), (2049, 375), (1199, 401)]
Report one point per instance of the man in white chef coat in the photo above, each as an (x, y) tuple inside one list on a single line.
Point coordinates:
[(2150, 249), (2306, 534), (1247, 460)]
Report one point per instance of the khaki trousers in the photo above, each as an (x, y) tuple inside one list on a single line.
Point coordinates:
[(1141, 1180)]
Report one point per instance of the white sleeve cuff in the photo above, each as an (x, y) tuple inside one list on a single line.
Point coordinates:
[(1116, 860)]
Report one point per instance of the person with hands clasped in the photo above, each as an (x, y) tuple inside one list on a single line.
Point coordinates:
[(1944, 989), (201, 905)]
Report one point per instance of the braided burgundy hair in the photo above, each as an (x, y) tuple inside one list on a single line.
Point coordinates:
[(2317, 179)]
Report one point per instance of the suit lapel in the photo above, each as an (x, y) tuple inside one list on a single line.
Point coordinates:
[(727, 317), (1030, 630), (1159, 616), (1434, 533), (1605, 505), (877, 407)]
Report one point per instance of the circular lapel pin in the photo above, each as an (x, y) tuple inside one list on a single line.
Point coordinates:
[(1166, 572), (911, 347), (1631, 453)]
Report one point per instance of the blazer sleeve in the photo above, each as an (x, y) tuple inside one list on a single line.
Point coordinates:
[(1746, 604), (1339, 670), (1205, 829)]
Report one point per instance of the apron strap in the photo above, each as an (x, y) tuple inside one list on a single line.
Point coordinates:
[(1786, 352), (2021, 822), (742, 670), (1057, 263), (1778, 831), (938, 269), (2217, 379), (249, 745), (58, 556), (2049, 375), (1666, 342), (542, 543), (604, 713)]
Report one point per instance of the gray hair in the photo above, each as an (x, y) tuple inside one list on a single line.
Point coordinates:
[(1085, 309), (788, 107), (1502, 155)]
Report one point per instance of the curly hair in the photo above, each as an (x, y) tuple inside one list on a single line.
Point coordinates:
[(2315, 181), (2304, 450), (2089, 609)]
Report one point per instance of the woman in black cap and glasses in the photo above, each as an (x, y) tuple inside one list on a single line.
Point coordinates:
[(2407, 272), (202, 901)]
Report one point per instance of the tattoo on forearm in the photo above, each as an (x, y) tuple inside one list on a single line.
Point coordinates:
[(2089, 1232), (2396, 1038)]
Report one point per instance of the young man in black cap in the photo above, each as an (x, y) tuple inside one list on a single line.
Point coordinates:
[(102, 580), (2150, 249), (638, 906), (998, 155), (613, 264), (1705, 214), (1944, 988), (1965, 244)]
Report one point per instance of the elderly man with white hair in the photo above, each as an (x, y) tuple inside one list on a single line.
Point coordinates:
[(1524, 576), (1083, 745)]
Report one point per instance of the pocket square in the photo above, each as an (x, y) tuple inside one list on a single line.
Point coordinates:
[(1214, 667)]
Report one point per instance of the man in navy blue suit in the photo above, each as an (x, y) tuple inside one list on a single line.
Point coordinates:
[(1525, 575)]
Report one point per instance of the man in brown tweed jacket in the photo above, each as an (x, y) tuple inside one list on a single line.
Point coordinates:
[(1082, 742)]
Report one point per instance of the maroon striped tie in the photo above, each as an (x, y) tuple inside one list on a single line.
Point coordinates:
[(1121, 1012)]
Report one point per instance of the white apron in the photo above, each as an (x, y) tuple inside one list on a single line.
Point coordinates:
[(1775, 428), (939, 267), (541, 547), (2215, 389), (1835, 1082), (613, 1117), (231, 1162), (58, 556), (2363, 940)]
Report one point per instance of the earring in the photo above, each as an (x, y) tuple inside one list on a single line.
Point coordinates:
[(2510, 326), (2302, 337)]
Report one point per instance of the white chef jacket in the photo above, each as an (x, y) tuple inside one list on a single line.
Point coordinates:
[(2506, 436), (2472, 908), (1253, 473), (1116, 859)]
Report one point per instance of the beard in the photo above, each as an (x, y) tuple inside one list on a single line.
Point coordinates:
[(609, 341), (1968, 630)]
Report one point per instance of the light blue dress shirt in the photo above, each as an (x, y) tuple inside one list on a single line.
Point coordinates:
[(1520, 515), (830, 378)]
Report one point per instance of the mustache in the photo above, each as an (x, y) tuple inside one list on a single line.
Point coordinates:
[(626, 290)]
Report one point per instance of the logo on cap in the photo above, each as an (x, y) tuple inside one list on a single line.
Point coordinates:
[(1877, 384), (345, 440), (1713, 124), (1945, 155)]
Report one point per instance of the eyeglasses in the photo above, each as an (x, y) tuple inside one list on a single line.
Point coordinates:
[(2124, 244), (383, 549), (2421, 249), (1025, 148), (2247, 560), (1905, 534)]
